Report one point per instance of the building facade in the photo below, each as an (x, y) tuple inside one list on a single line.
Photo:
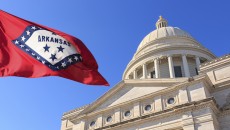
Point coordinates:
[(171, 83)]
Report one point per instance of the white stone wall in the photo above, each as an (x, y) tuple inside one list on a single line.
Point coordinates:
[(196, 92), (224, 122), (221, 96)]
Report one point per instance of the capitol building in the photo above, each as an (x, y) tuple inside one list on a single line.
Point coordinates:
[(172, 83)]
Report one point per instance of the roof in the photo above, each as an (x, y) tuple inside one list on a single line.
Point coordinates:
[(163, 32)]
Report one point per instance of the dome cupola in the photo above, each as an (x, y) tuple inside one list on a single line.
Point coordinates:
[(167, 52), (161, 22)]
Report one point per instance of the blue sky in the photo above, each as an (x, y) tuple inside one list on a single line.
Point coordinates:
[(112, 30)]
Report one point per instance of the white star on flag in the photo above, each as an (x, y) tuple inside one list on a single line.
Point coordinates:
[(28, 33), (23, 38), (22, 46), (16, 42), (33, 28), (63, 64), (70, 60), (76, 58)]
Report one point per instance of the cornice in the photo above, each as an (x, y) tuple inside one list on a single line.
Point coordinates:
[(210, 65), (103, 98), (73, 112), (224, 113), (223, 87), (154, 82)]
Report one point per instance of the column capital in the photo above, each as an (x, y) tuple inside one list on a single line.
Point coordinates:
[(169, 55), (157, 58), (184, 54), (196, 56), (135, 69)]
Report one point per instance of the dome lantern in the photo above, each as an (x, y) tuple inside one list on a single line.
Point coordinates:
[(161, 22)]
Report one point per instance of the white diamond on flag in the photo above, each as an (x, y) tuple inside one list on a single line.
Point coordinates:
[(47, 47)]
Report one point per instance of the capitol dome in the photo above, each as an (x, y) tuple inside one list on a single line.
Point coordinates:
[(162, 33), (167, 52)]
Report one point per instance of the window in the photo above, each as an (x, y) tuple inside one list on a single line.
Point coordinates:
[(92, 123), (170, 100), (177, 70), (148, 107), (127, 113), (152, 74), (109, 119)]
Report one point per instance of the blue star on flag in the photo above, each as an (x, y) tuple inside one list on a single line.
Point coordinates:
[(60, 48), (46, 48), (53, 57)]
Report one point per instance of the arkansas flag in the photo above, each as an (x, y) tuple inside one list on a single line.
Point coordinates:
[(31, 50)]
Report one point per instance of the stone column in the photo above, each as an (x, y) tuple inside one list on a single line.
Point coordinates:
[(135, 74), (144, 71), (185, 65), (198, 63), (156, 67), (171, 67)]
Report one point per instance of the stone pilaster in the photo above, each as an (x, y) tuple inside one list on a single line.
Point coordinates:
[(158, 103), (187, 121), (183, 96), (136, 109), (117, 115)]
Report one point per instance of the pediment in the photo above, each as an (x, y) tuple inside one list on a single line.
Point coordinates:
[(128, 93), (128, 90)]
